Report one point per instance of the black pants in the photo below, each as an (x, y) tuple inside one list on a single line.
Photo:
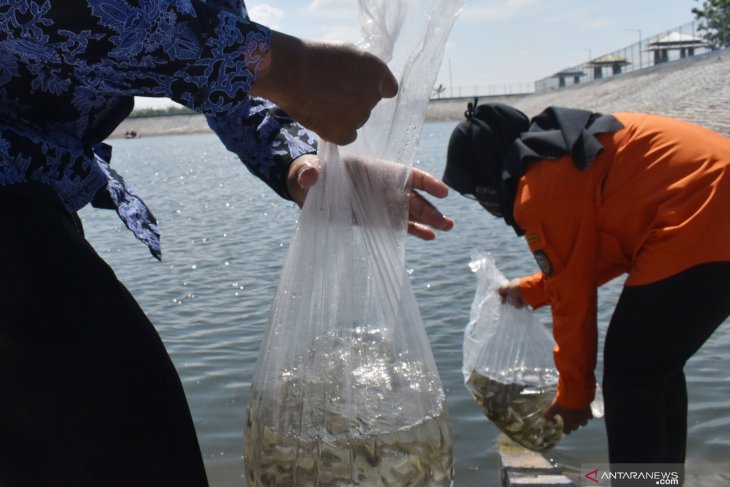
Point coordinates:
[(654, 330), (88, 393)]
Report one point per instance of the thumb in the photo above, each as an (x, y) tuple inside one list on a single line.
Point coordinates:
[(502, 295), (551, 412), (303, 173), (307, 174)]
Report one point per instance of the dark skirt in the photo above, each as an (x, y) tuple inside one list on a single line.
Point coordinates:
[(88, 393)]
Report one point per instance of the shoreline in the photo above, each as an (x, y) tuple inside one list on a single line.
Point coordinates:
[(439, 110), (694, 89)]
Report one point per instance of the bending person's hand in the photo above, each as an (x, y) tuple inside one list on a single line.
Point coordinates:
[(572, 418), (328, 87), (423, 217), (512, 294)]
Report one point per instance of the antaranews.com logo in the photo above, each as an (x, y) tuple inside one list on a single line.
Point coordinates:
[(633, 475)]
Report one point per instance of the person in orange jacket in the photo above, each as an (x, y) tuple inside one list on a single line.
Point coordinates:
[(597, 196)]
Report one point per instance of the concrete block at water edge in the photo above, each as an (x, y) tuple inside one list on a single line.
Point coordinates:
[(522, 467)]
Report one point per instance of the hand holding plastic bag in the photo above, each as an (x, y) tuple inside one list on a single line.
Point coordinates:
[(423, 216), (346, 390), (508, 364)]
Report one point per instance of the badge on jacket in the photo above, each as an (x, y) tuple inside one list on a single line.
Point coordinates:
[(543, 262)]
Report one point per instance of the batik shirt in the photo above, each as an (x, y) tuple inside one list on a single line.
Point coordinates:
[(69, 71)]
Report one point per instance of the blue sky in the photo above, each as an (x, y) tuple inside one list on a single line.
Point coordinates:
[(497, 43)]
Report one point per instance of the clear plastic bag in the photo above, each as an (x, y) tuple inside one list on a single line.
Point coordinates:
[(346, 390), (508, 364)]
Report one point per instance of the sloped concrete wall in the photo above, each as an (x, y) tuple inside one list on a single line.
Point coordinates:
[(696, 89)]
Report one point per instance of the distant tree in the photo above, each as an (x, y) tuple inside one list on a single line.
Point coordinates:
[(714, 18), (438, 90)]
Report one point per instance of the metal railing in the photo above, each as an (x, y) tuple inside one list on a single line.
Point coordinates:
[(485, 90)]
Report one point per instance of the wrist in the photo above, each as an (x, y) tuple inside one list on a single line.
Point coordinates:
[(278, 64), (533, 291)]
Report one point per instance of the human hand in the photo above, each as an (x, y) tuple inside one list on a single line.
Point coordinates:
[(572, 418), (423, 216), (328, 87), (512, 294), (303, 173)]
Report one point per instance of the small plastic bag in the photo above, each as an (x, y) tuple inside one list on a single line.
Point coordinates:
[(508, 363), (346, 391)]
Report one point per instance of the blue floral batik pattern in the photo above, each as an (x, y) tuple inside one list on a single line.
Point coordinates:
[(69, 72), (259, 124)]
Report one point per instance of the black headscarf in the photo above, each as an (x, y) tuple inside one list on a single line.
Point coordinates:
[(477, 147), (496, 162)]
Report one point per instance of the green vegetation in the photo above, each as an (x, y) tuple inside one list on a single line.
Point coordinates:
[(714, 18), (161, 112)]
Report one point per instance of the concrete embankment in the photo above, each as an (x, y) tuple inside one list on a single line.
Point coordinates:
[(694, 89)]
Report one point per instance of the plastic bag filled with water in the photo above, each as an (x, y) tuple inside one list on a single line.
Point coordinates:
[(508, 363), (345, 390)]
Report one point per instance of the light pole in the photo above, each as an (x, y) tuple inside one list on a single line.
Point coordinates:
[(640, 54), (590, 65), (451, 80)]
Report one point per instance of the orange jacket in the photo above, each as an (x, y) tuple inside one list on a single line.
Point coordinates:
[(655, 202)]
